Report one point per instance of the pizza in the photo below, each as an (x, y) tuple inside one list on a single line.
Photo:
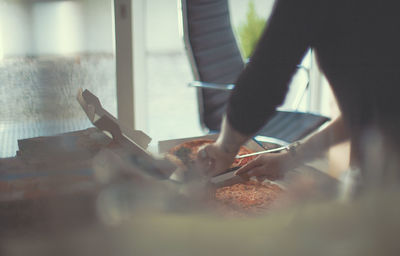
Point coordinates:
[(185, 154), (251, 197), (243, 199)]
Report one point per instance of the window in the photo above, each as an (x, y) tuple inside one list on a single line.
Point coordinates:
[(49, 49)]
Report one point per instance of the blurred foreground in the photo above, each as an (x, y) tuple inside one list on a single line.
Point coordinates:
[(368, 225), (78, 194)]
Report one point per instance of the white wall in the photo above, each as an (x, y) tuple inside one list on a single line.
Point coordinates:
[(162, 26), (98, 28), (15, 32), (38, 27), (58, 27)]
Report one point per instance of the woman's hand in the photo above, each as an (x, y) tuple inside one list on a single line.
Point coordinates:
[(214, 159), (269, 166), (218, 157)]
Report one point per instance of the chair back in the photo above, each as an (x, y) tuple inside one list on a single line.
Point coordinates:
[(213, 53)]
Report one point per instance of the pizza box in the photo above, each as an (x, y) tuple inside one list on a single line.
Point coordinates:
[(129, 148), (316, 181), (228, 177), (134, 150)]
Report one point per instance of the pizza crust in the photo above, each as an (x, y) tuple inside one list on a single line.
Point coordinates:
[(186, 152)]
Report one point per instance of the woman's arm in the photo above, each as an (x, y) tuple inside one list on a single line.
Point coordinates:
[(263, 84), (317, 144), (274, 165)]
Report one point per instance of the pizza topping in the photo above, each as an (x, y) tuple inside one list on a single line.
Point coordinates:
[(251, 197)]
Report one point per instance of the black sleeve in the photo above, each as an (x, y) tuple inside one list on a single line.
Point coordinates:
[(263, 84)]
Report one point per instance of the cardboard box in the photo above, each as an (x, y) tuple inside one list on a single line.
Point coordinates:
[(316, 179), (304, 178)]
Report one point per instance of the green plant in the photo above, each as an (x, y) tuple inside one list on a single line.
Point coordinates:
[(250, 31)]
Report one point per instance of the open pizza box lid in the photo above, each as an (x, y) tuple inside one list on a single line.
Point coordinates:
[(106, 122), (130, 145)]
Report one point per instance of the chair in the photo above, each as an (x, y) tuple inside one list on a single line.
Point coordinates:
[(216, 62)]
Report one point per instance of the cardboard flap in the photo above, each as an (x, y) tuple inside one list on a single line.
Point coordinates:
[(130, 144), (139, 137), (106, 122)]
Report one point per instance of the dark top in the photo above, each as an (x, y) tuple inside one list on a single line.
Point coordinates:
[(357, 45)]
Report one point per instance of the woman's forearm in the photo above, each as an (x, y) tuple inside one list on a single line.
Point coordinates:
[(309, 148), (317, 144), (230, 139)]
